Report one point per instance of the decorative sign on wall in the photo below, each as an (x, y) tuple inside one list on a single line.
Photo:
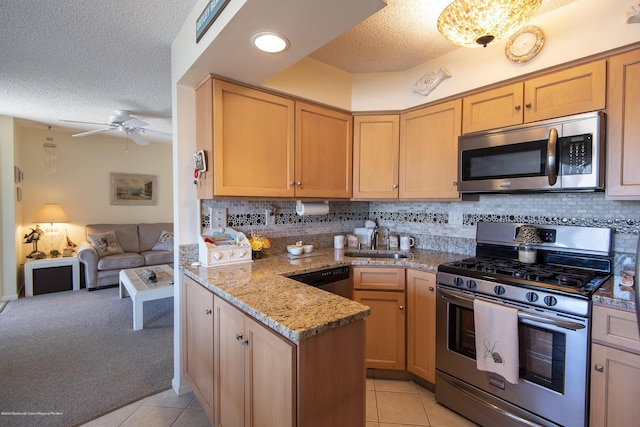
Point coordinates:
[(134, 189), (208, 15)]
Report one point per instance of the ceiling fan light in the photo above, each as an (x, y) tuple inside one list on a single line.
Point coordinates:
[(475, 23), (270, 42)]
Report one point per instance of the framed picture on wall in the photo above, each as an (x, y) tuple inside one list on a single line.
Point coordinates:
[(134, 189)]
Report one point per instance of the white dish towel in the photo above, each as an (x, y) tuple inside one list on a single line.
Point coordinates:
[(497, 349)]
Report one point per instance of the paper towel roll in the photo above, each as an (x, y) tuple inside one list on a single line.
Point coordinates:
[(315, 208)]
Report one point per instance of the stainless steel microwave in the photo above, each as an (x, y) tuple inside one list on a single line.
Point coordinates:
[(565, 154)]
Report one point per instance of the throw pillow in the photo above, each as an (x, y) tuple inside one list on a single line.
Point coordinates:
[(106, 243), (164, 243)]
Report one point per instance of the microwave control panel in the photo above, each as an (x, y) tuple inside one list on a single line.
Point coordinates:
[(576, 155)]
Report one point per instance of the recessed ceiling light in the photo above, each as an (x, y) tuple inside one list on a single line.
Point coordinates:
[(270, 42)]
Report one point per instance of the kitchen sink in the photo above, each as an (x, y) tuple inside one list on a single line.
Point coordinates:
[(396, 255)]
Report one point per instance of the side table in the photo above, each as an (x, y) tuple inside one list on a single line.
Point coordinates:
[(34, 264)]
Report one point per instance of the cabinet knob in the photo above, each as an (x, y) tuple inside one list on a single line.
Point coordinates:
[(244, 342), (239, 337), (431, 289), (401, 307), (395, 186), (291, 183), (518, 107), (599, 368), (208, 312), (528, 105), (299, 183)]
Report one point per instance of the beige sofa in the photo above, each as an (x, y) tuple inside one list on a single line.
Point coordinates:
[(103, 258)]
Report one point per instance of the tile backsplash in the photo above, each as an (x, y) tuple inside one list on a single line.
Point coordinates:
[(445, 226)]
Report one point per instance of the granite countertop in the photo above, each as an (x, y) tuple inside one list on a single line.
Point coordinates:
[(616, 295), (295, 310)]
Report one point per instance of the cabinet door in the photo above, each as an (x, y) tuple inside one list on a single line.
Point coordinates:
[(324, 145), (421, 324), (493, 109), (429, 152), (229, 369), (379, 278), (204, 135), (615, 377), (623, 127), (199, 342), (253, 142), (385, 329), (571, 91), (376, 145), (269, 378)]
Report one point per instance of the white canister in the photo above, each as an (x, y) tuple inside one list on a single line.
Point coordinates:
[(394, 241), (338, 242), (406, 242)]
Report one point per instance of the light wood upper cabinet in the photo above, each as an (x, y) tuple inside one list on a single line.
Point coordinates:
[(421, 324), (253, 142), (323, 152), (623, 127), (615, 368), (493, 109), (574, 90), (429, 152), (376, 147), (199, 343)]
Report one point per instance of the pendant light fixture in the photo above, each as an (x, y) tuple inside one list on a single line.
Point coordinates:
[(475, 23)]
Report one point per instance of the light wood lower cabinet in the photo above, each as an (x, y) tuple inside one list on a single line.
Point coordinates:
[(199, 343), (421, 324), (623, 127), (253, 375), (615, 368), (383, 290)]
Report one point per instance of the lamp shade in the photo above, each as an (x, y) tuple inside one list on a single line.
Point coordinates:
[(474, 23), (51, 212)]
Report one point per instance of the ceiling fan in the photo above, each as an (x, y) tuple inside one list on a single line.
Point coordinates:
[(122, 121)]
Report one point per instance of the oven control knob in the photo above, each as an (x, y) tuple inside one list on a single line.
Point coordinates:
[(471, 284), (458, 281), (550, 301), (499, 290), (532, 297)]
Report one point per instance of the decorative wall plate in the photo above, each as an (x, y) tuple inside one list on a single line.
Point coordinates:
[(524, 44)]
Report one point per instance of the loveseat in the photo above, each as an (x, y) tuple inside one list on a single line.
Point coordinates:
[(110, 248)]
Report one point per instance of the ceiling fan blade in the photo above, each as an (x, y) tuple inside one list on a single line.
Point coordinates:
[(91, 132), (86, 123), (137, 138), (134, 123), (157, 134)]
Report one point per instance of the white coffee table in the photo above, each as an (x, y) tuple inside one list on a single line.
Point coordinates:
[(133, 283)]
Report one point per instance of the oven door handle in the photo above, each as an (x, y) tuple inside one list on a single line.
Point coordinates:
[(527, 317)]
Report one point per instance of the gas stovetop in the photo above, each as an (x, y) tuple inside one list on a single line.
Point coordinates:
[(557, 277), (571, 264)]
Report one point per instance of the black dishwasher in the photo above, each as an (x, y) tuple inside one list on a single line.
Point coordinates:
[(336, 280)]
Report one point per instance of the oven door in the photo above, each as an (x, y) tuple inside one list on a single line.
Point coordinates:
[(553, 364)]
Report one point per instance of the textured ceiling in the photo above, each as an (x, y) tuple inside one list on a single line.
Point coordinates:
[(82, 60)]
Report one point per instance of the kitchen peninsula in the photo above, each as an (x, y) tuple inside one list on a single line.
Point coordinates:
[(324, 337)]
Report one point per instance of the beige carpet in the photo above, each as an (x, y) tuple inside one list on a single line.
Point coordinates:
[(69, 357)]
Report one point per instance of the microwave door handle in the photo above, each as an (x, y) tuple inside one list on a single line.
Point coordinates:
[(552, 163)]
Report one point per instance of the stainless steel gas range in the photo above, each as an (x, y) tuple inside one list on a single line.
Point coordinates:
[(552, 297)]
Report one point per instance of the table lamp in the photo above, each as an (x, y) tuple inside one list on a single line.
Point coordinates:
[(51, 213)]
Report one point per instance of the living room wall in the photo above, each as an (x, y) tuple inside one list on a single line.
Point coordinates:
[(81, 181)]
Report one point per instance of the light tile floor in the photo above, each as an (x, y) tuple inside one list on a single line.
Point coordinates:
[(389, 404)]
